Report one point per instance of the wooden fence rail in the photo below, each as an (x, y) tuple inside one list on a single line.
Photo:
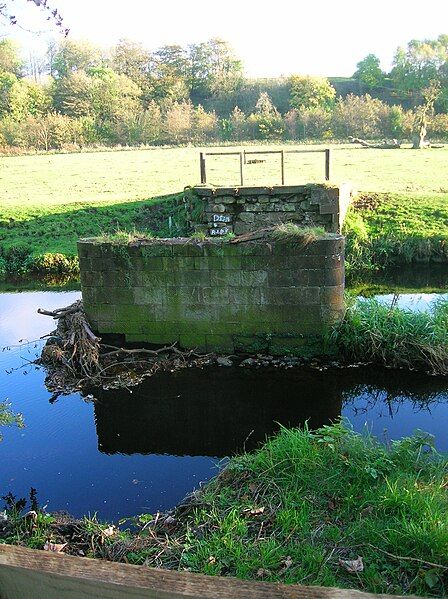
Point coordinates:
[(33, 574)]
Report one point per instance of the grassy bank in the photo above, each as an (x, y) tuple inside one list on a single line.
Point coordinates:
[(330, 508), (50, 200), (394, 337), (44, 241), (385, 230)]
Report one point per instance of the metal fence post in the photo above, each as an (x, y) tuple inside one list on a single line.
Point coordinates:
[(327, 164), (241, 168), (202, 166), (282, 161)]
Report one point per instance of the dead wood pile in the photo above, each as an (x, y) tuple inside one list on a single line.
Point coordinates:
[(76, 358)]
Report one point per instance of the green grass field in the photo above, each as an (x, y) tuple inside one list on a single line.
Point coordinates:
[(43, 181), (48, 201)]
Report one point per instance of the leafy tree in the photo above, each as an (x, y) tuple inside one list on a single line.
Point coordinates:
[(311, 92), (73, 56), (27, 98), (315, 123), (169, 73), (368, 71), (10, 60), (205, 124), (238, 124), (7, 82), (420, 63), (266, 119), (358, 116), (214, 69), (178, 122), (115, 96), (73, 94), (131, 59)]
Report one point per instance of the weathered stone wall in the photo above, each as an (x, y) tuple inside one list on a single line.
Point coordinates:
[(242, 209), (258, 296)]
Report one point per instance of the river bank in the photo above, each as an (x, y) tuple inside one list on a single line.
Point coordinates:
[(378, 523)]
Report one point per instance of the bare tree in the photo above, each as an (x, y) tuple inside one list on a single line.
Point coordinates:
[(51, 14), (430, 95)]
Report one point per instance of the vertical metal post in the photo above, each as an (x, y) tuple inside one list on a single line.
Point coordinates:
[(202, 165), (241, 169), (327, 164), (245, 159), (282, 161)]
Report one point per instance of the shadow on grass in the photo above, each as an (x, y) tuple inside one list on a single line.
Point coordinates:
[(57, 232)]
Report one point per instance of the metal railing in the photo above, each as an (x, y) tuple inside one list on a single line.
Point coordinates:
[(243, 160)]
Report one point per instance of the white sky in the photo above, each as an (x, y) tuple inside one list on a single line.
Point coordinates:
[(325, 37)]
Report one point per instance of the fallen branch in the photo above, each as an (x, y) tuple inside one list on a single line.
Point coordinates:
[(385, 145)]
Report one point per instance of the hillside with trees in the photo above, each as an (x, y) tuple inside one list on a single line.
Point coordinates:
[(82, 95)]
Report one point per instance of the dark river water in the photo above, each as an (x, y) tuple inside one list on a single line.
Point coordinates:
[(143, 451)]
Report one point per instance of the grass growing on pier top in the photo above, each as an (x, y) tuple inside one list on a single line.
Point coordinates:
[(295, 234)]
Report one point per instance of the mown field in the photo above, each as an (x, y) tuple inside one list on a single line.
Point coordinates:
[(48, 201)]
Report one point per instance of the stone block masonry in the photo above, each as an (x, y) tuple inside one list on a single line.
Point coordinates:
[(242, 209), (257, 296)]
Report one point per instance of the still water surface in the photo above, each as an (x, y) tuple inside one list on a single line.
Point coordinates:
[(144, 450)]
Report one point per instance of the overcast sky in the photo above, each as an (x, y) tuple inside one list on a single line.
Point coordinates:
[(324, 37)]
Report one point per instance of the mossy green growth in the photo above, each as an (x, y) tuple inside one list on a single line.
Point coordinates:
[(306, 504)]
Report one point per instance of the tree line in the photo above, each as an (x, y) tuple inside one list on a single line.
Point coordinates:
[(79, 95)]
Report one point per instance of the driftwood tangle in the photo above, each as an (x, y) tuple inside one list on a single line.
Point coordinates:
[(77, 358)]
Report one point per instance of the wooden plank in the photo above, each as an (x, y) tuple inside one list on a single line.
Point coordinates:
[(33, 574), (282, 166), (252, 152), (312, 151)]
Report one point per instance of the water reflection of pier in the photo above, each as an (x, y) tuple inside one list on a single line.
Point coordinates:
[(217, 412), (210, 412)]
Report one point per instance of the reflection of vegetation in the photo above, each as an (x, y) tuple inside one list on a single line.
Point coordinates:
[(363, 398), (402, 279), (8, 418), (49, 283), (387, 335)]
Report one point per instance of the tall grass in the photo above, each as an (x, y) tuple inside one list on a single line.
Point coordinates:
[(395, 337), (303, 502)]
